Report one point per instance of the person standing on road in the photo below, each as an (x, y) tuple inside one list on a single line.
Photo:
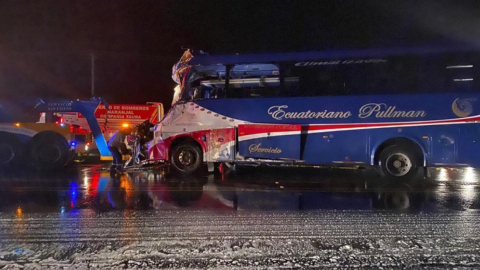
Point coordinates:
[(117, 147)]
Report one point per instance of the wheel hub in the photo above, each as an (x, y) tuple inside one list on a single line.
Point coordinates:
[(185, 157), (398, 164)]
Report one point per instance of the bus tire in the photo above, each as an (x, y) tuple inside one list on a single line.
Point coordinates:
[(49, 150), (186, 158), (10, 149), (398, 162)]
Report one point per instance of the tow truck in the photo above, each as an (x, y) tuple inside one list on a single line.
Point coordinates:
[(27, 142)]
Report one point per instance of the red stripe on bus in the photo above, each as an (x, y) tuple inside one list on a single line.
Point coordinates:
[(333, 127)]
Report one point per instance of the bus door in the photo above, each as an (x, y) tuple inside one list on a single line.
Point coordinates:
[(269, 141)]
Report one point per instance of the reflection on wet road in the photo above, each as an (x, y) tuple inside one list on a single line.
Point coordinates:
[(314, 218), (247, 189)]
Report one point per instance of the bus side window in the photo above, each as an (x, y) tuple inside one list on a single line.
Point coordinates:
[(432, 76), (400, 75), (255, 87), (217, 92), (461, 72), (364, 80), (394, 76), (291, 82), (319, 80), (448, 73), (291, 88), (206, 92)]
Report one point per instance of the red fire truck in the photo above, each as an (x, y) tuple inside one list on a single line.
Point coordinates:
[(111, 119)]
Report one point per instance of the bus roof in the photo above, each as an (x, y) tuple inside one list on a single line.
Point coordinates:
[(209, 60)]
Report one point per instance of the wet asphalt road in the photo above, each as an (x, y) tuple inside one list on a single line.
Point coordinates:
[(252, 218)]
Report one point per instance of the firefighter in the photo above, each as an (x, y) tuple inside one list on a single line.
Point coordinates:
[(117, 147)]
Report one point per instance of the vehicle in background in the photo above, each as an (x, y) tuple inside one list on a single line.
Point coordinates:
[(397, 110), (111, 120), (32, 134)]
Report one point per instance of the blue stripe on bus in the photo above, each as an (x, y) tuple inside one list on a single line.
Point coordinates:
[(348, 109)]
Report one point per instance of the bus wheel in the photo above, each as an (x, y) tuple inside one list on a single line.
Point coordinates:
[(49, 150), (398, 162), (9, 149), (186, 158)]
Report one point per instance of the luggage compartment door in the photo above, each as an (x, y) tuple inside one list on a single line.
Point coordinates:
[(269, 141)]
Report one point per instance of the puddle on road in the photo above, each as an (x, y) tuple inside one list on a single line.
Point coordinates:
[(247, 189)]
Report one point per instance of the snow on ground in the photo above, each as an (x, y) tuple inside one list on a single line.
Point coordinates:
[(187, 239)]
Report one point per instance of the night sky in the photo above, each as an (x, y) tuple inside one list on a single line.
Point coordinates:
[(46, 46)]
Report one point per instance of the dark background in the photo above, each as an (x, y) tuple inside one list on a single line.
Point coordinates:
[(46, 46)]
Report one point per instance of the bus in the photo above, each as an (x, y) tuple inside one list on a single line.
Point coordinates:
[(397, 109)]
